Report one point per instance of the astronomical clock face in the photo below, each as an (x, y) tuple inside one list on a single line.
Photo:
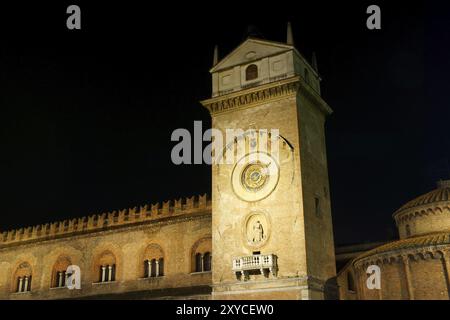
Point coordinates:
[(255, 176)]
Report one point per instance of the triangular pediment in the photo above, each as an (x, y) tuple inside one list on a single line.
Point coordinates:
[(250, 50)]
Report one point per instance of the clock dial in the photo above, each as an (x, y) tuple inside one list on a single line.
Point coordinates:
[(255, 176)]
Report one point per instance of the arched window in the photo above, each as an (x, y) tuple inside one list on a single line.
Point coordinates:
[(201, 256), (153, 261), (22, 278), (107, 273), (59, 276), (207, 262), (147, 268), (152, 267), (161, 266), (198, 263), (251, 72), (408, 230), (351, 282), (106, 267)]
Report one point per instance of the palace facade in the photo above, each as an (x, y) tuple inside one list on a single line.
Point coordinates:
[(161, 250)]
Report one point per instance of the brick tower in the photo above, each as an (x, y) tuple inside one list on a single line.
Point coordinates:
[(271, 219)]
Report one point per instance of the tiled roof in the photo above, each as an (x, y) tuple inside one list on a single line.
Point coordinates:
[(410, 243), (442, 193)]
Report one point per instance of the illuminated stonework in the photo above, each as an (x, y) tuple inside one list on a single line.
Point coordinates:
[(261, 207), (417, 266)]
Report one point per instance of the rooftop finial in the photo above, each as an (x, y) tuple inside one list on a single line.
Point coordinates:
[(314, 62), (216, 55), (289, 37)]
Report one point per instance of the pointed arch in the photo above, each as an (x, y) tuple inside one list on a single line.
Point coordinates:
[(23, 275), (105, 265), (58, 276), (152, 261), (201, 257)]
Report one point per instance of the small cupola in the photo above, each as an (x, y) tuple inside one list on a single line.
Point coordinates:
[(426, 214)]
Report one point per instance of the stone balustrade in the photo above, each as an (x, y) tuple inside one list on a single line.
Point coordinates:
[(242, 266)]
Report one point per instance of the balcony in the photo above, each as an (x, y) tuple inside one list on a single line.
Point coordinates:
[(255, 264)]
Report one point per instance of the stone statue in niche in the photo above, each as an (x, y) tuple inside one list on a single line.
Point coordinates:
[(256, 229), (258, 232)]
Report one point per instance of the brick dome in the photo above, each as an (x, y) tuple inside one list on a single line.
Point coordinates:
[(442, 193), (428, 213)]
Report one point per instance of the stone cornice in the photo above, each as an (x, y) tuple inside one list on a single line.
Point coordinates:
[(423, 253), (420, 246), (231, 287), (424, 210), (269, 92), (252, 96)]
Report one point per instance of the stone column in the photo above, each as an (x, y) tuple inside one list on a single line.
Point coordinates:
[(60, 274), (103, 273), (409, 284), (201, 263), (110, 269), (20, 284), (149, 268), (157, 268), (25, 287)]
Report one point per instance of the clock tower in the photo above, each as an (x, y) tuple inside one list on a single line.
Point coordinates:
[(271, 218)]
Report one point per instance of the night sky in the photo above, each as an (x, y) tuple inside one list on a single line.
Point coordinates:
[(86, 116)]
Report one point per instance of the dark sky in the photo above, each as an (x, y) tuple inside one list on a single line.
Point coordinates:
[(86, 116)]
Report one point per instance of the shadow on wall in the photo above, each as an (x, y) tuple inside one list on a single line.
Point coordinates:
[(331, 291)]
